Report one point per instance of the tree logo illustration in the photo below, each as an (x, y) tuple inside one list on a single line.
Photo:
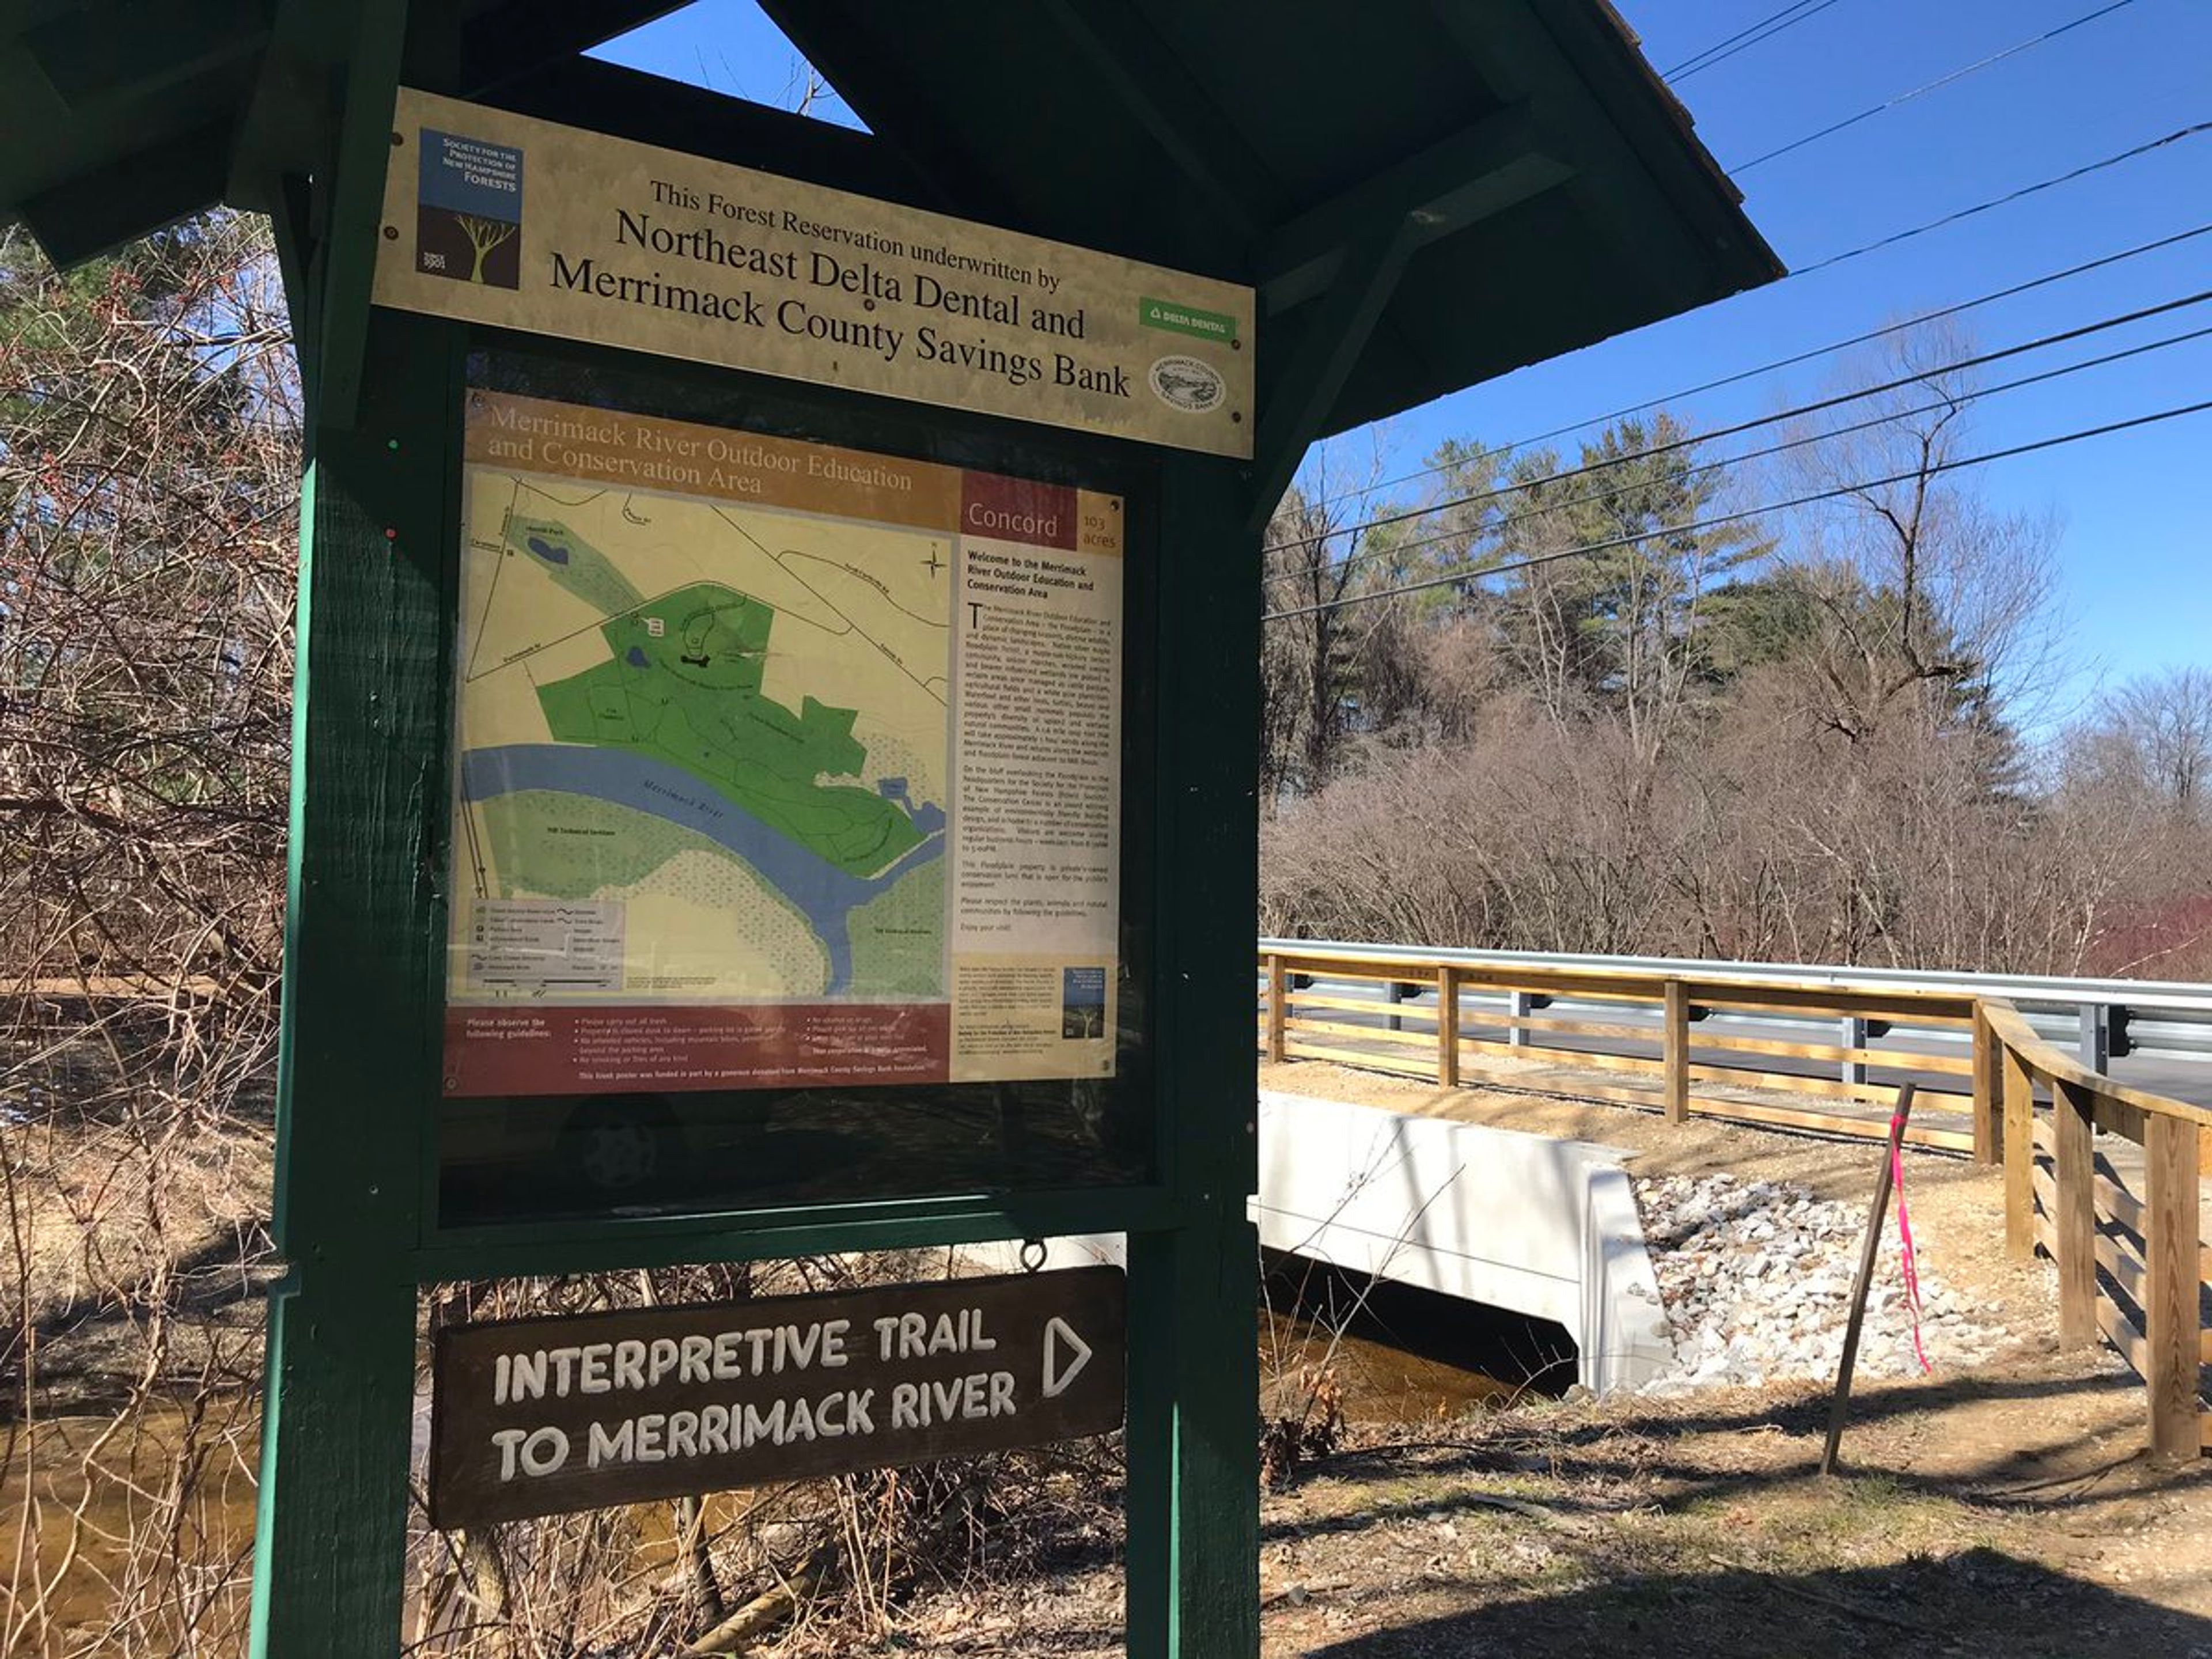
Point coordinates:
[(468, 214)]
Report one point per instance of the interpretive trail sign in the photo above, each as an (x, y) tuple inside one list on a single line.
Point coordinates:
[(542, 1416), (503, 219), (778, 763)]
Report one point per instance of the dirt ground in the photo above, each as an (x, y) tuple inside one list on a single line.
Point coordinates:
[(2003, 1512), (2006, 1509)]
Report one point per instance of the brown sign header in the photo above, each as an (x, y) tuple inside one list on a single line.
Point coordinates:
[(542, 1416)]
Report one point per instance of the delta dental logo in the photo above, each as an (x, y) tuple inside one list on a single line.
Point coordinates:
[(468, 210)]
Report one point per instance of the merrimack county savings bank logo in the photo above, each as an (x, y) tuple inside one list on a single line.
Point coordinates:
[(1189, 384), (468, 210)]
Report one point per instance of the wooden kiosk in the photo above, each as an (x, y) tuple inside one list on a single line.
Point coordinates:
[(877, 516)]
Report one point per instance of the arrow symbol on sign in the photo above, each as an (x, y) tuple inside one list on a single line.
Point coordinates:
[(1056, 1378)]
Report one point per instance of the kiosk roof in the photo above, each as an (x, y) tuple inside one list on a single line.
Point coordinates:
[(1459, 188)]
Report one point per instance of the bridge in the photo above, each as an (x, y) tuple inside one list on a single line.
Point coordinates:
[(2057, 1079)]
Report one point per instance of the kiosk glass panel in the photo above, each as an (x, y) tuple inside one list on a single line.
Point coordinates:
[(794, 855)]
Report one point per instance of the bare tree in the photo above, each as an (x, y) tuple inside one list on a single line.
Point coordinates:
[(2161, 727), (1930, 600), (148, 495), (149, 466)]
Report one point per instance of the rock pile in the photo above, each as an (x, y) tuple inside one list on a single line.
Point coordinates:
[(1757, 1279)]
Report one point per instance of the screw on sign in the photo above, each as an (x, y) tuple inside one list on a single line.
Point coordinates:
[(542, 1416)]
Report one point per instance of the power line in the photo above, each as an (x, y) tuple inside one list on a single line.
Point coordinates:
[(1401, 549), (2177, 135), (1474, 571), (1745, 39), (1923, 90), (1752, 29), (1824, 435), (1740, 375), (1978, 360)]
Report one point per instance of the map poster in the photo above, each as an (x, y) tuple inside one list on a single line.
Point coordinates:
[(777, 764)]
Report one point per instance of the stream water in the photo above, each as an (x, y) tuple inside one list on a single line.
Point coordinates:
[(1401, 1354), (161, 1502)]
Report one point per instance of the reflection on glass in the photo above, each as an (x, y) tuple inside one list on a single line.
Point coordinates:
[(788, 861)]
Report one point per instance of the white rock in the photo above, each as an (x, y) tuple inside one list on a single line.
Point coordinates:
[(1755, 1279)]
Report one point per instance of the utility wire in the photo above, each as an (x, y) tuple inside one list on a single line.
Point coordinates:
[(1923, 90), (1743, 374), (2180, 134), (1824, 435), (1750, 29), (1745, 39), (1474, 572), (1978, 360)]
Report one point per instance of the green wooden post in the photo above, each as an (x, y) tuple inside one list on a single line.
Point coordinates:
[(359, 1025), (331, 1531), (1193, 1504)]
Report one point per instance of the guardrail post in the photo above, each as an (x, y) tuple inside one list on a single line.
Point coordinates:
[(1675, 1052), (1394, 994), (2018, 1093), (2073, 1226), (2096, 1046), (1447, 1027), (1987, 1089), (1852, 1030), (1519, 1005), (1275, 1011), (2170, 1318)]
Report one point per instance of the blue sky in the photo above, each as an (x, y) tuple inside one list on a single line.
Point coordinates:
[(2137, 553)]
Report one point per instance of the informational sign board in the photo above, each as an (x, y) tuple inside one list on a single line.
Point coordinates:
[(777, 764), (542, 1416), (503, 219)]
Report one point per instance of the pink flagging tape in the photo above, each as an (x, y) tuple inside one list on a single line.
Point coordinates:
[(1904, 1239)]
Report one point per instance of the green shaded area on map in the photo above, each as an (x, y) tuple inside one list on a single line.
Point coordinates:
[(690, 693), (573, 564), (898, 937), (576, 846), (579, 847)]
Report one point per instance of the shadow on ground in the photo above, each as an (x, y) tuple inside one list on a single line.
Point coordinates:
[(2020, 1608), (1670, 1459)]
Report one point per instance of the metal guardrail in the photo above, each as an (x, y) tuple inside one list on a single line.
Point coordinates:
[(2103, 1019)]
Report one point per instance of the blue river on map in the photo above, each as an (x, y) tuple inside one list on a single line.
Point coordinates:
[(826, 895)]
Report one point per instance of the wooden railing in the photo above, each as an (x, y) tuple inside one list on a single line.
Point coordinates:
[(2129, 1256), (2131, 1261), (1659, 1044)]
